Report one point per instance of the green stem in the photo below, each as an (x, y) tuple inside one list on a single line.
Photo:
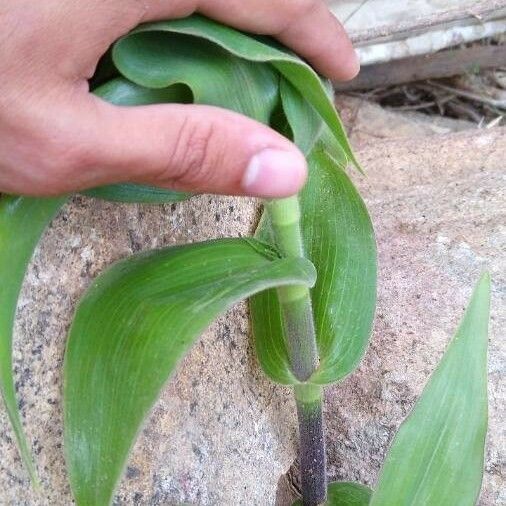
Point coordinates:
[(296, 308), (295, 300)]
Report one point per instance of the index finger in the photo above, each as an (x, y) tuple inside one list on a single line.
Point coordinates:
[(306, 26)]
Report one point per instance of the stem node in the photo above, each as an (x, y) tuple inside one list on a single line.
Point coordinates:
[(298, 323)]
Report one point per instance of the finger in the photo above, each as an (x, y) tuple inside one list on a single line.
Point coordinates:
[(306, 26), (187, 147)]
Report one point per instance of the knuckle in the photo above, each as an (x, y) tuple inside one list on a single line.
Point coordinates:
[(194, 155), (308, 6), (301, 8)]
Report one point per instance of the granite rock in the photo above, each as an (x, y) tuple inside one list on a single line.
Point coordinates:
[(438, 205), (221, 431)]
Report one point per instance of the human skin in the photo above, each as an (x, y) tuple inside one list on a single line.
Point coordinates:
[(56, 137)]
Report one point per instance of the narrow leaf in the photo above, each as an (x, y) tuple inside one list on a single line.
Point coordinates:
[(343, 493), (437, 456), (131, 329), (22, 222), (339, 240), (305, 123), (136, 194)]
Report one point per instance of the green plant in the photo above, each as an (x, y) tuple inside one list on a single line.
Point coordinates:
[(310, 273)]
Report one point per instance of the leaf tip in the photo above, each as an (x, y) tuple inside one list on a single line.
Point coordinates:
[(485, 280), (482, 290)]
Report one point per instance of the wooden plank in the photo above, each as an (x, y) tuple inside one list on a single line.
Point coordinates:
[(418, 68), (482, 11)]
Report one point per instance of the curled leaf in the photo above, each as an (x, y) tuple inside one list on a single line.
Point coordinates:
[(243, 46), (130, 330)]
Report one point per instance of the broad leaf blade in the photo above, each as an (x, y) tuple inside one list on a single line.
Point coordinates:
[(344, 493), (131, 329), (339, 240), (159, 58), (22, 222), (247, 47), (437, 456)]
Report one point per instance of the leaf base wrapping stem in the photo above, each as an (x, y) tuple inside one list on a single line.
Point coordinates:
[(299, 329), (295, 300)]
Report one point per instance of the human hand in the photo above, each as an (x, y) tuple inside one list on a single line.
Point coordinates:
[(56, 137)]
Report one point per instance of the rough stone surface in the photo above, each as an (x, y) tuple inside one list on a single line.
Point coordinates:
[(438, 205), (221, 433), (368, 122)]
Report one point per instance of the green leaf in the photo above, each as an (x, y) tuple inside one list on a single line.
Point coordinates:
[(437, 456), (339, 240), (305, 123), (120, 91), (157, 59), (22, 222), (131, 329), (136, 194), (343, 493), (131, 53)]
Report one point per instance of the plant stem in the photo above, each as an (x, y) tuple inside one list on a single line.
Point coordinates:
[(295, 300), (309, 399), (296, 308)]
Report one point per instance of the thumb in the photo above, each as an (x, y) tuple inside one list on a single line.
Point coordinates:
[(194, 147)]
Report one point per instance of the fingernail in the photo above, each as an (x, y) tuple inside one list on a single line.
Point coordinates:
[(275, 173), (349, 68), (357, 61)]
